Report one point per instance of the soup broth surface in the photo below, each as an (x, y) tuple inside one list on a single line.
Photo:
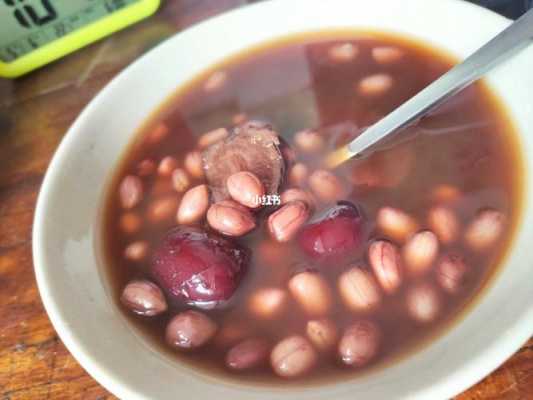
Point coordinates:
[(462, 158)]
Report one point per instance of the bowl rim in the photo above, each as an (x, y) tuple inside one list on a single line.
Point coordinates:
[(471, 372)]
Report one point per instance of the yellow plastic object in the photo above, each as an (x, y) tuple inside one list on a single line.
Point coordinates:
[(78, 38)]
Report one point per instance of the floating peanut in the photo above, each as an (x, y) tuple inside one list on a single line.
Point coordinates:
[(375, 85), (166, 166), (326, 186), (385, 260), (297, 194), (245, 188), (285, 223), (194, 205), (136, 251), (298, 174), (395, 223), (130, 191), (194, 165), (451, 272), (342, 53), (312, 292), (162, 209), (423, 303), (146, 167), (268, 303), (212, 137), (309, 141), (216, 81), (158, 133), (322, 333), (358, 289), (190, 330), (387, 54), (230, 218), (292, 357), (247, 354), (485, 229), (180, 180), (444, 222), (360, 343), (144, 298), (445, 193), (130, 223), (420, 252)]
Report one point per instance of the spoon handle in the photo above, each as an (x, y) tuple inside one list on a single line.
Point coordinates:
[(514, 38)]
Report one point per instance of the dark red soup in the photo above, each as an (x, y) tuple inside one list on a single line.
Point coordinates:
[(233, 248)]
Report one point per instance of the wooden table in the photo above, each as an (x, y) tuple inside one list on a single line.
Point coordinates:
[(35, 112)]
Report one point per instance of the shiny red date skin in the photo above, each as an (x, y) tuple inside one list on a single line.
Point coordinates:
[(336, 235), (198, 268)]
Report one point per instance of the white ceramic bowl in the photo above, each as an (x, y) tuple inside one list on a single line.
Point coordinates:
[(67, 220)]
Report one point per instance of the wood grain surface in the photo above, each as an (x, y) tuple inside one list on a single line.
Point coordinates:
[(35, 113)]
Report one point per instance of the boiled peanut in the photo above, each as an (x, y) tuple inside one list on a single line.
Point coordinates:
[(423, 303), (267, 303), (485, 229), (312, 292), (359, 290), (326, 186), (230, 219), (385, 260), (360, 343), (451, 272), (297, 194), (130, 223), (144, 298), (444, 222), (146, 167), (239, 119), (136, 251), (298, 174), (309, 141), (193, 206), (387, 54), (247, 354), (180, 180), (375, 85), (245, 188), (420, 252), (212, 137), (234, 204), (344, 52), (194, 165), (158, 133), (190, 330), (292, 357), (130, 191), (285, 223), (272, 253), (445, 193), (322, 333), (166, 166), (163, 208), (232, 332), (216, 81), (395, 223)]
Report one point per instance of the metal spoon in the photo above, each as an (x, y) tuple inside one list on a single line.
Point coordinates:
[(508, 42)]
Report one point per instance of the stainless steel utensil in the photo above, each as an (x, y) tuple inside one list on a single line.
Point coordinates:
[(502, 47)]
